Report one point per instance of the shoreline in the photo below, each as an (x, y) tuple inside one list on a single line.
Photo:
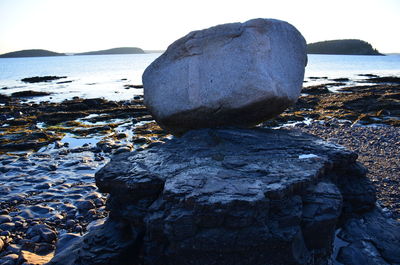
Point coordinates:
[(49, 153)]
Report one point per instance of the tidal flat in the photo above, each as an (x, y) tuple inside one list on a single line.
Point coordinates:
[(49, 152)]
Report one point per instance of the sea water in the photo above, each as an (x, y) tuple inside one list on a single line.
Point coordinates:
[(91, 76), (106, 76), (351, 66)]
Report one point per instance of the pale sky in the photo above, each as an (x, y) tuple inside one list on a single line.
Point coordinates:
[(87, 25)]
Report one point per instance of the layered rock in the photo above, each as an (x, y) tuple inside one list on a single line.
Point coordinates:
[(113, 243), (370, 239), (237, 196), (233, 74)]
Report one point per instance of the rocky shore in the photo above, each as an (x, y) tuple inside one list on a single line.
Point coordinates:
[(50, 152), (235, 196)]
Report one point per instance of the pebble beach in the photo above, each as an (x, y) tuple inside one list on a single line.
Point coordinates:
[(377, 149)]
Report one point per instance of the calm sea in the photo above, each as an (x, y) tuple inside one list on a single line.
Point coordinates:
[(106, 75)]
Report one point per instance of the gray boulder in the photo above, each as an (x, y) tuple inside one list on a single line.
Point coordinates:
[(237, 74)]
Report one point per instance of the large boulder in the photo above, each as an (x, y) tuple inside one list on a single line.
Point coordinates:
[(237, 74), (233, 196), (238, 197)]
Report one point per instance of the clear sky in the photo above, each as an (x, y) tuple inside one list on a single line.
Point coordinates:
[(85, 25)]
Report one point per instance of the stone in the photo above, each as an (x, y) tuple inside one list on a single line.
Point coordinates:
[(237, 196), (360, 195), (13, 248), (29, 258), (121, 135), (230, 197), (360, 253), (322, 207), (5, 233), (7, 227), (26, 213), (39, 211), (85, 205), (237, 74), (65, 241), (43, 186), (372, 239), (37, 79), (44, 248), (30, 93), (44, 232), (110, 243), (5, 218), (9, 259), (70, 223), (78, 229), (1, 244), (123, 149)]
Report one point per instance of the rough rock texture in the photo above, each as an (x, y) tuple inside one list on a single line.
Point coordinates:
[(372, 239), (112, 243), (29, 258), (233, 74), (237, 196)]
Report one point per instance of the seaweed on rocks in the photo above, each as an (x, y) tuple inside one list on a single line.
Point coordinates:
[(30, 126), (368, 104)]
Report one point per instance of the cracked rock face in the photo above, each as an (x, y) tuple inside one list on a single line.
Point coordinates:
[(236, 74), (232, 197), (237, 197)]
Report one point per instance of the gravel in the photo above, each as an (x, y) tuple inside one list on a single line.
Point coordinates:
[(378, 149)]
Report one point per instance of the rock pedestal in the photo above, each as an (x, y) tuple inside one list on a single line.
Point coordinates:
[(237, 74), (236, 196)]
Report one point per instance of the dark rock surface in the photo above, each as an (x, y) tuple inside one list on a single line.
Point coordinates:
[(4, 98), (233, 196), (385, 79), (114, 241), (373, 239), (30, 93), (362, 104), (37, 79)]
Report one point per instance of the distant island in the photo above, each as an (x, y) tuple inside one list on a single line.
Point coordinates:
[(46, 53), (122, 50), (31, 53), (345, 47)]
